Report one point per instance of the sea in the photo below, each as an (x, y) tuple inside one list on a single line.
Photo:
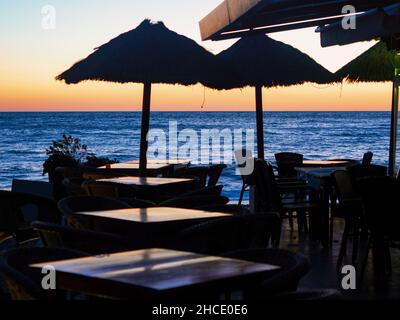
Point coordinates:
[(24, 137)]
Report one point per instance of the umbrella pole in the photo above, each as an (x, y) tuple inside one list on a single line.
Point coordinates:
[(394, 123), (260, 122), (145, 128)]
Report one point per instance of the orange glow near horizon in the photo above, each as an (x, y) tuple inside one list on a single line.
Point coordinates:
[(96, 96), (30, 58)]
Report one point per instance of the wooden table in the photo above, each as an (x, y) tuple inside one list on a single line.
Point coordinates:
[(149, 225), (155, 215), (156, 272), (321, 179), (148, 181), (135, 166), (132, 168), (327, 163), (155, 161)]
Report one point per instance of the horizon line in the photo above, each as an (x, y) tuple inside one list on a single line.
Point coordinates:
[(341, 109)]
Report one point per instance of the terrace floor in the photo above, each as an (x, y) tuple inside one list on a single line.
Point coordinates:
[(323, 274)]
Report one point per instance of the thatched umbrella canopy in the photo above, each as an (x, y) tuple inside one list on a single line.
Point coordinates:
[(378, 64), (149, 54), (264, 62)]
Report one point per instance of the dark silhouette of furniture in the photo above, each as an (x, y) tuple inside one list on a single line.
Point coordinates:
[(194, 202), (363, 171), (348, 207), (227, 234), (205, 176), (286, 163), (24, 282), (269, 199), (244, 161), (293, 267), (381, 205), (367, 158), (71, 205), (18, 210), (91, 242), (227, 208)]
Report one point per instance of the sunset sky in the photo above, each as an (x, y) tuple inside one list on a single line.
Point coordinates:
[(30, 58)]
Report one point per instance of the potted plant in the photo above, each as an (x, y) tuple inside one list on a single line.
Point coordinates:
[(67, 152)]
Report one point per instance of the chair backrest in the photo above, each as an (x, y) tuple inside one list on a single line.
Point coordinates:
[(293, 267), (101, 174), (37, 188), (112, 190), (344, 185), (367, 158), (267, 190), (91, 242), (287, 162), (227, 208), (381, 204), (23, 281), (194, 202), (70, 205), (245, 165), (206, 176), (207, 191), (227, 234), (362, 171), (20, 209), (214, 173)]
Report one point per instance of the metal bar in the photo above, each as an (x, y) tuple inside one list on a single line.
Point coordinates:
[(272, 29), (394, 123), (260, 122), (239, 15), (145, 128)]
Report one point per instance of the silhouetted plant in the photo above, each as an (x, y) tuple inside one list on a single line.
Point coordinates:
[(71, 152), (67, 152)]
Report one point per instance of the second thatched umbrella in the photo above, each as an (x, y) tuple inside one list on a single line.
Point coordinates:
[(378, 64), (150, 54), (264, 62)]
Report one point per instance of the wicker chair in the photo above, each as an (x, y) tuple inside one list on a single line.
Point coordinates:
[(93, 243), (293, 267), (194, 202), (233, 233), (70, 205), (18, 210), (24, 282)]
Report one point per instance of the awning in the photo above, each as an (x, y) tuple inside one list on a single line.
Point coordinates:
[(236, 18), (375, 23)]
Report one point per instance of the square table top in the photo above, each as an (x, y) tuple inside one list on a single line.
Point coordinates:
[(147, 181), (157, 270), (325, 163), (155, 215)]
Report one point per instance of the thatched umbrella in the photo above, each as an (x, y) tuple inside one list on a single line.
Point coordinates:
[(378, 64), (149, 54), (264, 62)]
